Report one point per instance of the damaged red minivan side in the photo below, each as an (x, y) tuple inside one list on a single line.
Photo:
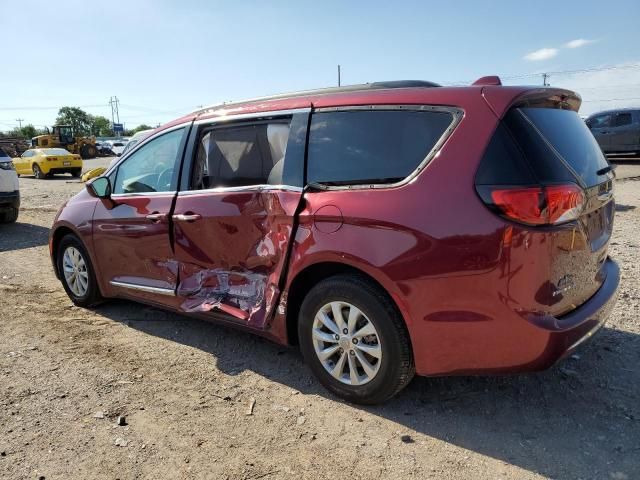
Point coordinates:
[(387, 229)]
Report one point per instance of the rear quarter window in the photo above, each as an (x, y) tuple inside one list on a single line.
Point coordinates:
[(549, 135), (371, 147)]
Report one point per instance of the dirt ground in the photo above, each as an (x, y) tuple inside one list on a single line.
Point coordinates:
[(184, 387)]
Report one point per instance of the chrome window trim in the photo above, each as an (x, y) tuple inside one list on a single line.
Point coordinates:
[(250, 116), (244, 188), (457, 116), (144, 288), (140, 144), (143, 194)]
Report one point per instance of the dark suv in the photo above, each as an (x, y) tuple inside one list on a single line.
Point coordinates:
[(617, 131), (387, 229)]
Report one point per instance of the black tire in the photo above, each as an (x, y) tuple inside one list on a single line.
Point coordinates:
[(77, 173), (37, 173), (92, 296), (9, 215), (396, 368), (88, 151)]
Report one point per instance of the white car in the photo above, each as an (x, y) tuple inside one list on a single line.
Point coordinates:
[(9, 190), (117, 146)]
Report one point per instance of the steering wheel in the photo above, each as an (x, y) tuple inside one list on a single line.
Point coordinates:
[(164, 179)]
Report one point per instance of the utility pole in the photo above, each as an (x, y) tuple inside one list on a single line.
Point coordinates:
[(338, 74), (20, 120), (545, 77), (115, 115)]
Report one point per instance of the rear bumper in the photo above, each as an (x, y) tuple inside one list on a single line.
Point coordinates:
[(10, 199), (567, 333)]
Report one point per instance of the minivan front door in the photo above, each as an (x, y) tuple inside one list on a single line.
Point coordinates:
[(132, 234), (600, 128), (235, 218)]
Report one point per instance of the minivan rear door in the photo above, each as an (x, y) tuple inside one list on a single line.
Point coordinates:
[(235, 215), (624, 133)]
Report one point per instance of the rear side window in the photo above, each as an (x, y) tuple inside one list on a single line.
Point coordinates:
[(384, 146), (623, 119), (568, 138)]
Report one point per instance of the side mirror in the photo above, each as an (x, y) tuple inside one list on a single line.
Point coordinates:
[(99, 188)]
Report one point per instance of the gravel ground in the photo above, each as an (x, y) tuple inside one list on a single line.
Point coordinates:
[(184, 388)]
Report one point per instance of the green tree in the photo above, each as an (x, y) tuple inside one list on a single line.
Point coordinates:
[(101, 126), (80, 121)]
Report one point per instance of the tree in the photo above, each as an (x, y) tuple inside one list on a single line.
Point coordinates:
[(139, 128), (101, 126), (80, 121)]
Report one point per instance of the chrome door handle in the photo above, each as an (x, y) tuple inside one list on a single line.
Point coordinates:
[(186, 217), (156, 217)]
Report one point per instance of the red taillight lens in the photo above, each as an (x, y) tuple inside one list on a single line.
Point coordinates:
[(51, 158), (539, 205)]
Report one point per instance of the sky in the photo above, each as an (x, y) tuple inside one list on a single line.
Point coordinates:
[(165, 58)]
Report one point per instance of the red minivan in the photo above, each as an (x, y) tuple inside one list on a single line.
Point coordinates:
[(387, 229)]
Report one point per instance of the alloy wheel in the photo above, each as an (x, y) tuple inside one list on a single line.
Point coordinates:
[(75, 271), (347, 343)]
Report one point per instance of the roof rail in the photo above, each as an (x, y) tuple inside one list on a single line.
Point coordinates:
[(330, 90)]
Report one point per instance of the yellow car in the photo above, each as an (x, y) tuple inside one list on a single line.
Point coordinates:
[(45, 162)]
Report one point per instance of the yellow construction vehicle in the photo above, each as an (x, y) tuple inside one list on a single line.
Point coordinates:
[(62, 136)]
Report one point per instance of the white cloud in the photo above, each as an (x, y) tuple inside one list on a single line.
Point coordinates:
[(578, 42), (542, 54), (606, 89)]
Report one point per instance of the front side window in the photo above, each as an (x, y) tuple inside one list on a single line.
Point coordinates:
[(359, 147), (600, 121), (241, 155), (152, 168)]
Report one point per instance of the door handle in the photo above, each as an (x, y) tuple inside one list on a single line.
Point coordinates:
[(186, 217), (156, 217)]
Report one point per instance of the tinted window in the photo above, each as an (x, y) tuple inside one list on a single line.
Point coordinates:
[(56, 151), (547, 134), (623, 119), (153, 167), (241, 155), (600, 121), (355, 147)]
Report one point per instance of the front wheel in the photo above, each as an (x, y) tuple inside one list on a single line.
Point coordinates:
[(9, 215), (76, 272), (354, 340)]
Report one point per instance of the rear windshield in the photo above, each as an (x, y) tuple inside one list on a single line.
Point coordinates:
[(358, 147), (55, 151), (566, 136)]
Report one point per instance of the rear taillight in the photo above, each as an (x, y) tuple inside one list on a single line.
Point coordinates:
[(544, 205), (51, 158)]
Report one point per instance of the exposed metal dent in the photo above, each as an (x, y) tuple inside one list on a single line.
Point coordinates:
[(240, 294)]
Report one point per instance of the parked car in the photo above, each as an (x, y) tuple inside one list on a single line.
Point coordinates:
[(387, 229), (117, 146), (135, 139), (46, 162), (9, 190), (617, 131)]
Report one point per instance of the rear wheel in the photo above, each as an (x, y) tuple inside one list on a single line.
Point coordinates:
[(77, 273), (354, 340), (37, 172), (77, 173), (9, 215)]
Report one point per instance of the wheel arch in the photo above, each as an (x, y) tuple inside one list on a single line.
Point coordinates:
[(56, 236), (310, 276)]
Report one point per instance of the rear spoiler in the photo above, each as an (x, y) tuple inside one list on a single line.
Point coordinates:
[(501, 98)]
